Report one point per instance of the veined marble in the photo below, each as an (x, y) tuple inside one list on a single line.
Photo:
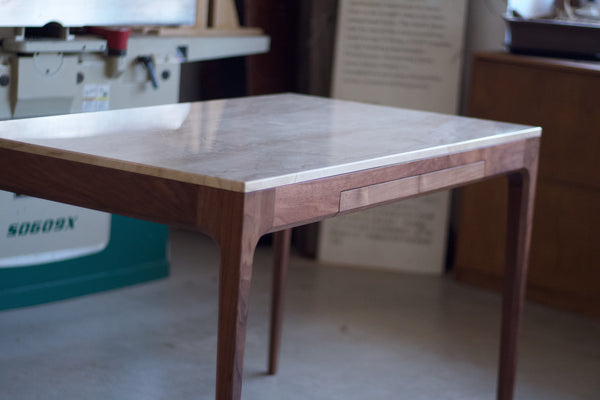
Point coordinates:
[(255, 143)]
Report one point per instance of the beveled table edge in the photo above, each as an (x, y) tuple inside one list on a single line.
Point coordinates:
[(274, 182)]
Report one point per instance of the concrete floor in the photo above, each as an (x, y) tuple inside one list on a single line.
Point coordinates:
[(348, 334)]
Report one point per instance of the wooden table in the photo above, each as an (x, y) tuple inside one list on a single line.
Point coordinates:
[(237, 169)]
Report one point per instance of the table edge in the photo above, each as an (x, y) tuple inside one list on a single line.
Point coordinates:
[(274, 182)]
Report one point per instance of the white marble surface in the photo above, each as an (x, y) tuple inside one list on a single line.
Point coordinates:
[(254, 143)]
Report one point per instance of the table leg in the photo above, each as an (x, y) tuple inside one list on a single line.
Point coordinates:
[(520, 212), (281, 245), (234, 290)]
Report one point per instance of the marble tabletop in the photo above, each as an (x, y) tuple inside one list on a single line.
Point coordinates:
[(254, 143)]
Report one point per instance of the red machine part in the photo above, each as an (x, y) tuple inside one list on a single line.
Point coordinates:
[(116, 38)]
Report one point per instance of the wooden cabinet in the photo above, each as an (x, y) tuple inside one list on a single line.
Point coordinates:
[(563, 97)]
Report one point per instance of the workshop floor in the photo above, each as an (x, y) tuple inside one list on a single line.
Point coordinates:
[(348, 334)]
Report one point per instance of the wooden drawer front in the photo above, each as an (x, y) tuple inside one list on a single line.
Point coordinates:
[(380, 193), (393, 190), (452, 176)]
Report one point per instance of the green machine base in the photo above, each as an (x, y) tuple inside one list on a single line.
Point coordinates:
[(137, 252)]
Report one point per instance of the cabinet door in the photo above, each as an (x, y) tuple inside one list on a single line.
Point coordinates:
[(565, 258)]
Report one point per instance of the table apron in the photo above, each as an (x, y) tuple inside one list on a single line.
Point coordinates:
[(401, 188), (316, 200)]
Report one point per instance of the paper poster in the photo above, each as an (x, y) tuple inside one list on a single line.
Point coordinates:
[(404, 53)]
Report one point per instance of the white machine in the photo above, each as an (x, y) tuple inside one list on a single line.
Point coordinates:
[(65, 56), (69, 56)]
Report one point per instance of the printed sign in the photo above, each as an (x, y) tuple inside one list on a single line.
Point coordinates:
[(404, 53)]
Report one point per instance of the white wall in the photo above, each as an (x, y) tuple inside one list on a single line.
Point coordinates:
[(485, 32)]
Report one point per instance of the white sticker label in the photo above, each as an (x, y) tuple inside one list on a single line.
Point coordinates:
[(35, 231), (95, 97)]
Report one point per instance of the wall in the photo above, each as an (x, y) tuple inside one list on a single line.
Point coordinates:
[(485, 32)]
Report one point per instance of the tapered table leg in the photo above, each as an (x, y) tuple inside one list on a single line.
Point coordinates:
[(281, 245), (520, 213), (234, 289)]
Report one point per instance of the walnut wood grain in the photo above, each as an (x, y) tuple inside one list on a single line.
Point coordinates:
[(100, 188), (451, 176), (314, 200), (406, 187), (174, 188), (246, 145), (281, 245), (521, 195), (379, 193), (308, 201), (236, 221)]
